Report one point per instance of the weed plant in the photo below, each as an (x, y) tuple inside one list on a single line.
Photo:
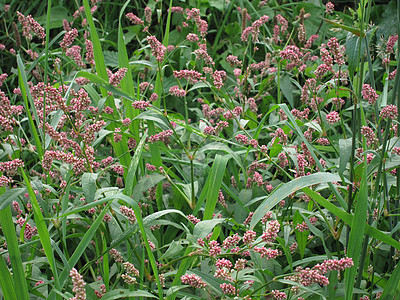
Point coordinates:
[(199, 150)]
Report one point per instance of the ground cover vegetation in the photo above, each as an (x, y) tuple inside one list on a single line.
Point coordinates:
[(199, 150)]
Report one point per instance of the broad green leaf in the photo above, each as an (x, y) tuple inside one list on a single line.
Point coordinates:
[(357, 234), (287, 89), (145, 183), (392, 287), (123, 293), (130, 177), (288, 188), (89, 186), (8, 229), (213, 185), (6, 281), (203, 228), (353, 30), (345, 153), (301, 237), (9, 196)]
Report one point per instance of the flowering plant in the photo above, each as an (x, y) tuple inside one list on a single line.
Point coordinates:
[(219, 151)]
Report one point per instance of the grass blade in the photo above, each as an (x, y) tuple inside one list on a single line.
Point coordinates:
[(130, 177), (8, 229), (392, 287), (213, 184), (288, 188), (26, 95), (42, 228), (81, 248), (98, 53), (348, 219), (6, 281), (357, 234), (127, 84)]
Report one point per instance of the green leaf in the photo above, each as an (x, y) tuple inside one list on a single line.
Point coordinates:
[(353, 30), (357, 233), (130, 177), (173, 251), (288, 188), (345, 153), (211, 189), (301, 237), (203, 228), (89, 186), (352, 50), (287, 88), (9, 196), (42, 229), (348, 219), (6, 282), (218, 4), (58, 14), (147, 182), (392, 287), (8, 228), (123, 293), (26, 96)]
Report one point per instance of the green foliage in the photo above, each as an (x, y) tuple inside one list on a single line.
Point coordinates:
[(199, 150)]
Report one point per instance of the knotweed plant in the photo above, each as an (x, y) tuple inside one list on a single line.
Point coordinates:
[(210, 150)]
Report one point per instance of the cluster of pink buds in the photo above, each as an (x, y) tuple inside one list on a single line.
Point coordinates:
[(193, 280)]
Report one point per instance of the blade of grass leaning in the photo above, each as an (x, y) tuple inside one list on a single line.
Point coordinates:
[(204, 192), (42, 229), (46, 62), (127, 82), (158, 89), (357, 234), (81, 248), (392, 287), (6, 282), (288, 188), (130, 177), (8, 229), (120, 148), (106, 266), (98, 53), (152, 260), (311, 149), (26, 95), (348, 219), (213, 185)]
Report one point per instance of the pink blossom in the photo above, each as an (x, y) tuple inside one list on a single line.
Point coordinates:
[(231, 241), (391, 42), (193, 219), (193, 280), (333, 117), (329, 7), (271, 232), (268, 253), (389, 112), (78, 285), (176, 91), (192, 37), (129, 213), (369, 94), (228, 288), (157, 48), (69, 39), (279, 295), (191, 75), (134, 19), (369, 134)]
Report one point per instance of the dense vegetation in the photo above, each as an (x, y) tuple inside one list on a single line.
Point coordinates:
[(199, 150)]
